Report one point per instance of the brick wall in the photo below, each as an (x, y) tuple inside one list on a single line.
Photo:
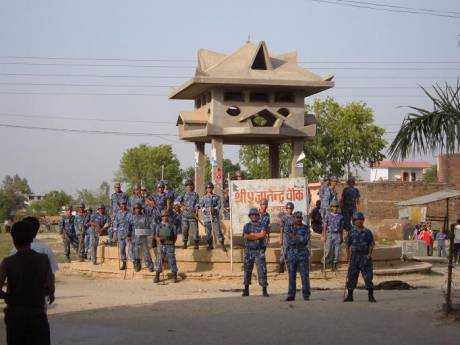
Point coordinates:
[(449, 170)]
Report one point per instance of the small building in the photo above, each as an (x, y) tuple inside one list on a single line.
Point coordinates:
[(407, 171)]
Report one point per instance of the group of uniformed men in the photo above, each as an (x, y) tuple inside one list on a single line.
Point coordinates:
[(135, 220), (161, 215)]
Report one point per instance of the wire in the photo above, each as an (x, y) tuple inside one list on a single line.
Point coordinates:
[(400, 7), (82, 118)]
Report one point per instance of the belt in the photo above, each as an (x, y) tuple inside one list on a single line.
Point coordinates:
[(297, 247), (253, 249), (361, 252)]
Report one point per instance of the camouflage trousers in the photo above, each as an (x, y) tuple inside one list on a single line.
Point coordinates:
[(360, 263), (70, 240), (166, 252), (298, 260), (256, 256), (190, 224), (332, 246), (213, 226), (141, 249)]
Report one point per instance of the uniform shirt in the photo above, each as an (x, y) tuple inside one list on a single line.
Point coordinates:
[(81, 223), (302, 236), (250, 228), (287, 220), (191, 202), (153, 213), (100, 219), (140, 221), (329, 195), (67, 225), (334, 222), (171, 195), (167, 233), (42, 248), (441, 237), (135, 199), (264, 218), (350, 196), (457, 234), (316, 219), (360, 241), (212, 202), (160, 199), (115, 200), (122, 222)]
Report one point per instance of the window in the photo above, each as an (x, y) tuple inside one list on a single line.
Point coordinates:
[(284, 111), (284, 97), (413, 176), (234, 96), (405, 176), (258, 97), (203, 100)]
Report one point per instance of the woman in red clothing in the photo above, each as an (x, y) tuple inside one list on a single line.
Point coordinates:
[(425, 235)]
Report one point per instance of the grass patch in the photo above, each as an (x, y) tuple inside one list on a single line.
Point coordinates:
[(6, 244)]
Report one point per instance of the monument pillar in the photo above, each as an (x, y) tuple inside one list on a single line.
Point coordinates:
[(200, 162), (274, 160), (217, 157), (297, 150)]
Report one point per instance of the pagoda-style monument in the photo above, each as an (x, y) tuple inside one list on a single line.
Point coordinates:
[(247, 97)]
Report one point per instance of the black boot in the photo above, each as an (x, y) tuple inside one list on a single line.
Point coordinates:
[(185, 245), (197, 245), (334, 267), (290, 298), (264, 292), (210, 246), (151, 269), (223, 246), (68, 259), (371, 296), (137, 266), (175, 280), (349, 296), (123, 266), (245, 291), (281, 268), (157, 277)]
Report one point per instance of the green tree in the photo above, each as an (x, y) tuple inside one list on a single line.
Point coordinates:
[(431, 175), (428, 131), (94, 198), (143, 164), (13, 193), (346, 137), (52, 203)]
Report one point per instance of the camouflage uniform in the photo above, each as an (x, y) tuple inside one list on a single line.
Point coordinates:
[(81, 227), (254, 251), (115, 200), (329, 195), (135, 199), (334, 226), (102, 220), (359, 243), (287, 221), (350, 195), (211, 221), (166, 249), (190, 203), (141, 222), (298, 258), (67, 228), (161, 200), (264, 219), (122, 223)]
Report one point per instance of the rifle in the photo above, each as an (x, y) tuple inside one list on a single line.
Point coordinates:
[(346, 280)]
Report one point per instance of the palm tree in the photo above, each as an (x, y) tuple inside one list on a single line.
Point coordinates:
[(424, 131)]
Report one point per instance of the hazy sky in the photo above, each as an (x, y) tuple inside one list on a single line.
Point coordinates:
[(139, 33)]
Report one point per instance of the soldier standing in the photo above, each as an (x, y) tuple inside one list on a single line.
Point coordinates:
[(99, 222), (360, 244), (349, 202), (210, 205), (322, 194), (166, 236), (333, 235), (190, 204), (170, 194), (254, 234), (136, 198), (81, 226), (329, 195), (161, 198), (297, 238), (141, 228), (67, 232), (153, 213), (115, 199), (122, 223), (287, 220), (264, 218)]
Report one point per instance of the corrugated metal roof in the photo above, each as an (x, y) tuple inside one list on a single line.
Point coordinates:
[(404, 164), (429, 198)]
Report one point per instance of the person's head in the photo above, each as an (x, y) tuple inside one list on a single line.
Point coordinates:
[(253, 214), (117, 187), (263, 204), (150, 201), (334, 181), (189, 186), (164, 216), (22, 234), (358, 219), (35, 224), (137, 189), (334, 207), (161, 186), (176, 206), (137, 208), (101, 209), (143, 190), (123, 205), (210, 187), (351, 181), (289, 207), (68, 210), (166, 182), (318, 203), (326, 180), (238, 175), (298, 218), (81, 207)]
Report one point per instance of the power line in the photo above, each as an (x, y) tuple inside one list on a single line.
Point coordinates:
[(400, 7), (362, 5), (29, 116)]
